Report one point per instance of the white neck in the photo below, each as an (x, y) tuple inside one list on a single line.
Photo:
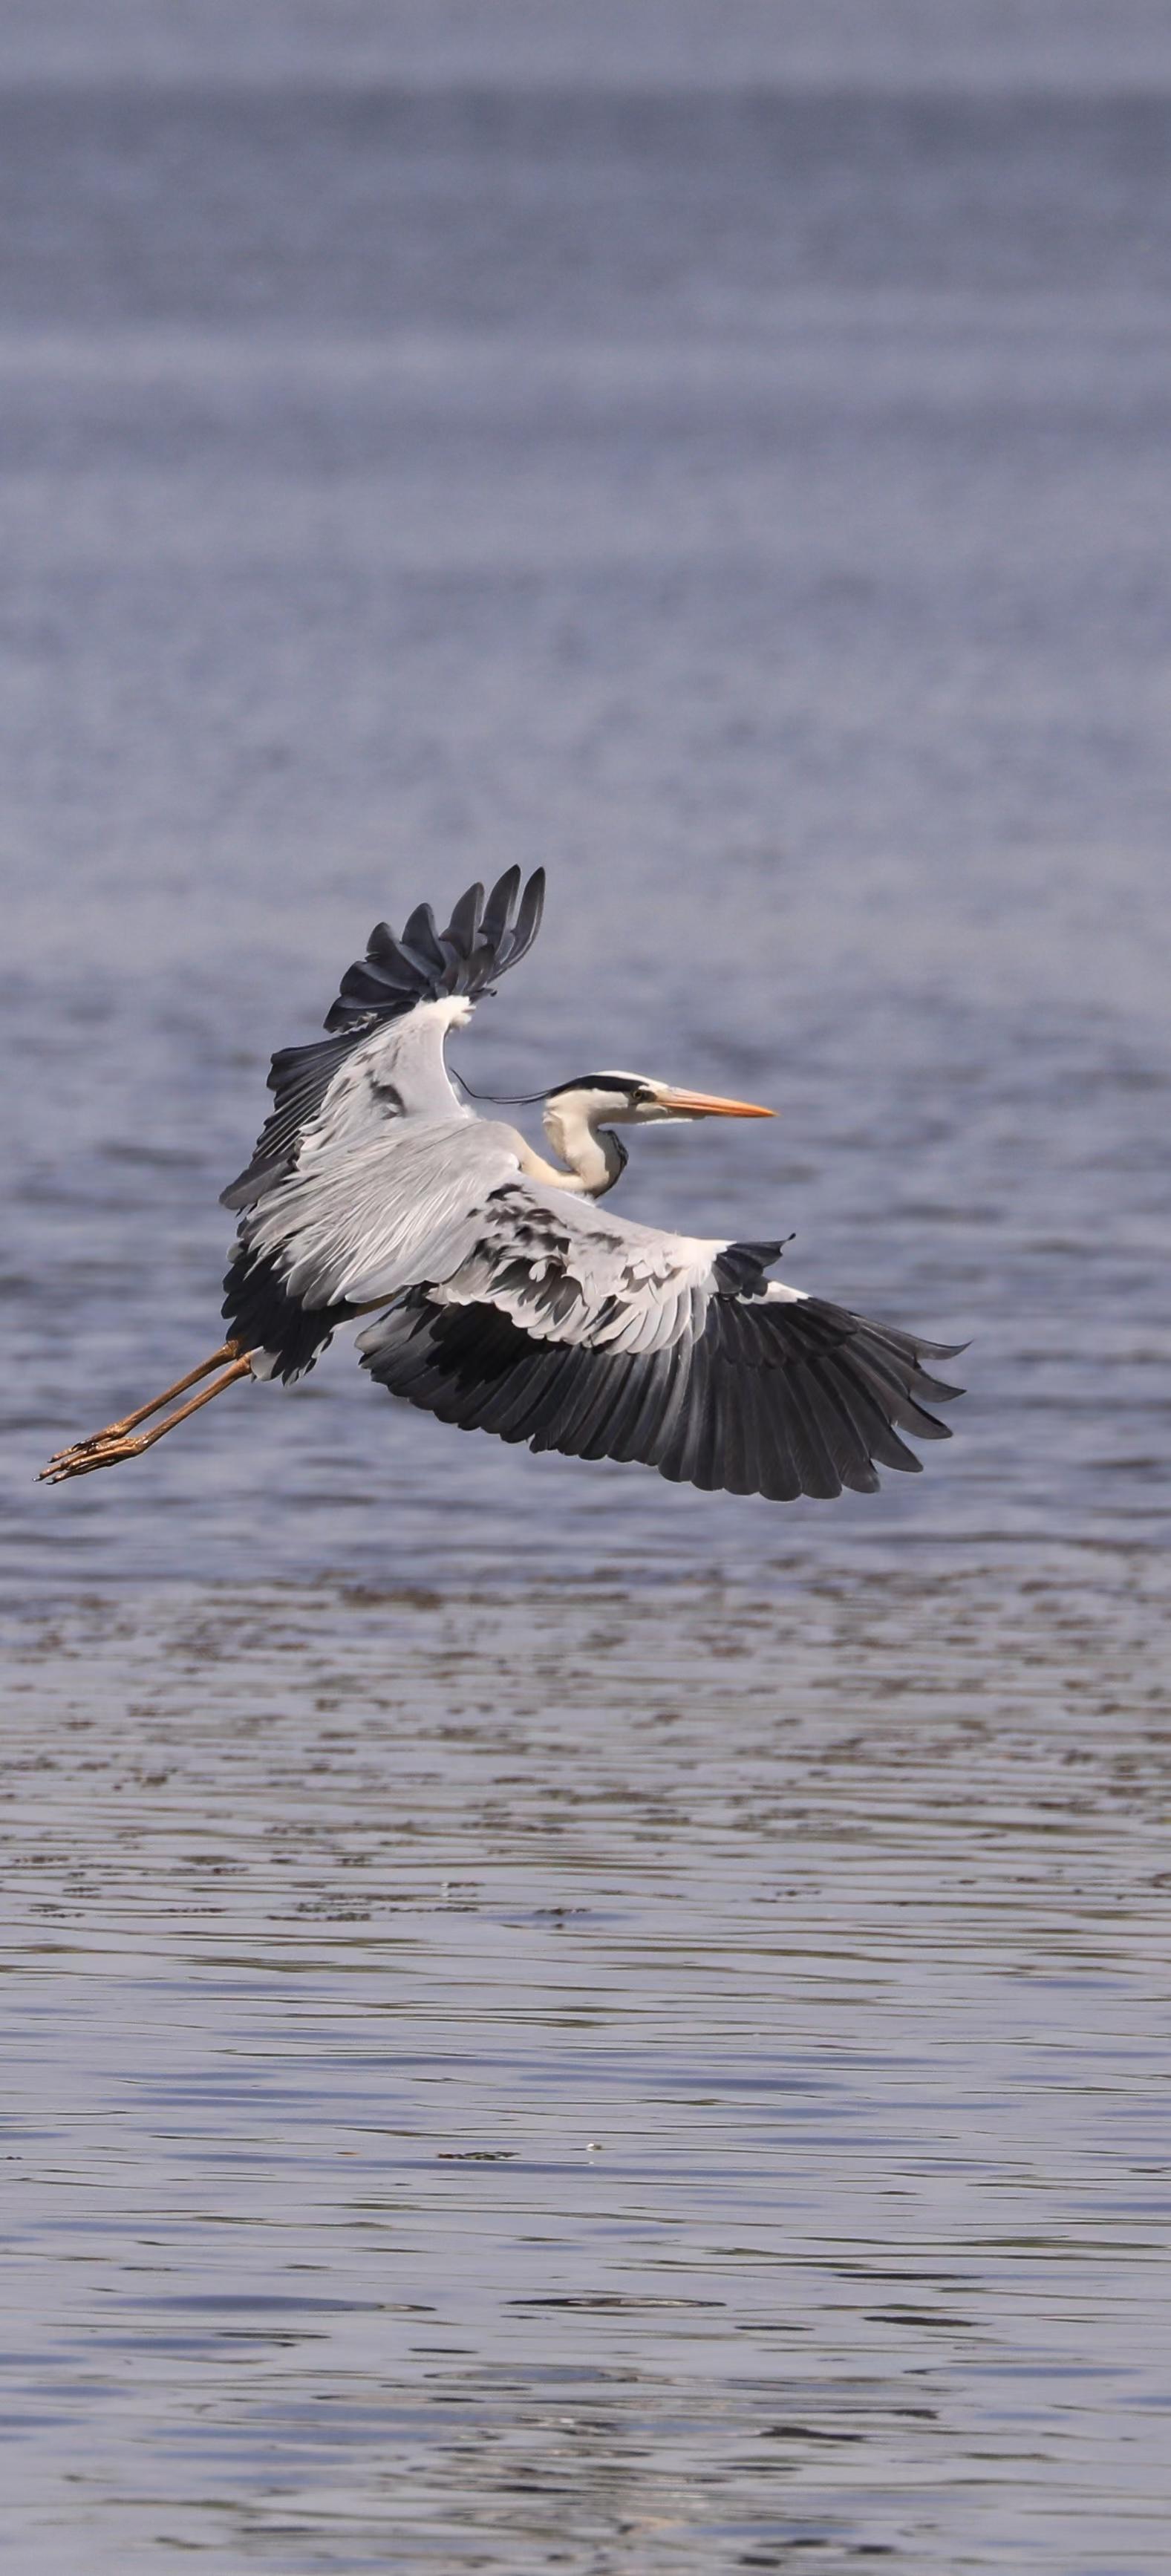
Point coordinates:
[(594, 1155)]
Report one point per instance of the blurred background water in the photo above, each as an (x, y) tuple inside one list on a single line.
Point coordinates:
[(720, 453)]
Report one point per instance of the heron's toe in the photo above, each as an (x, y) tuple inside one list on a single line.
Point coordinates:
[(83, 1448), (86, 1456)]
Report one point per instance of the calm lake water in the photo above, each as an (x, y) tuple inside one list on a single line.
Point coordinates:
[(552, 2022)]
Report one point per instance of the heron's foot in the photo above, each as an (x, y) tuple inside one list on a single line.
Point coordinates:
[(83, 1448), (108, 1448), (103, 1449)]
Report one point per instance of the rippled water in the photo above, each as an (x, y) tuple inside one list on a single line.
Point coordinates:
[(576, 2083), (556, 2022)]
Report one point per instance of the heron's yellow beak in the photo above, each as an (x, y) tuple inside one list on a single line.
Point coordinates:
[(707, 1104)]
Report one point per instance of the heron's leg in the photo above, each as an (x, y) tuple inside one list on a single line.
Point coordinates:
[(129, 1421), (115, 1445)]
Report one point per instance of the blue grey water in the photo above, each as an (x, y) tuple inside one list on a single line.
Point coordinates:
[(553, 2022)]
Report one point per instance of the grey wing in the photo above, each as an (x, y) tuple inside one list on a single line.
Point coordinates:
[(773, 1399), (445, 1204), (578, 1331)]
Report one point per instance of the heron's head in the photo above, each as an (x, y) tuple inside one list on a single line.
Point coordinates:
[(637, 1100)]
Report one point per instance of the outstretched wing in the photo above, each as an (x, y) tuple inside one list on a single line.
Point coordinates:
[(423, 964), (769, 1398), (562, 1325)]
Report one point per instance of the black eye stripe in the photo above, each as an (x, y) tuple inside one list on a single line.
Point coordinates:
[(622, 1088)]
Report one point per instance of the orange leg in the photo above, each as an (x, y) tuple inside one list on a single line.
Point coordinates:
[(129, 1421), (108, 1448)]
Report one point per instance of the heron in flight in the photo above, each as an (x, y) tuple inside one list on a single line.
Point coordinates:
[(505, 1297)]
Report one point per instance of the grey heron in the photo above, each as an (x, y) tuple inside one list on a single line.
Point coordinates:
[(505, 1297)]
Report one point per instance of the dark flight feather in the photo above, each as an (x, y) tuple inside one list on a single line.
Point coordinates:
[(482, 940), (771, 1398)]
